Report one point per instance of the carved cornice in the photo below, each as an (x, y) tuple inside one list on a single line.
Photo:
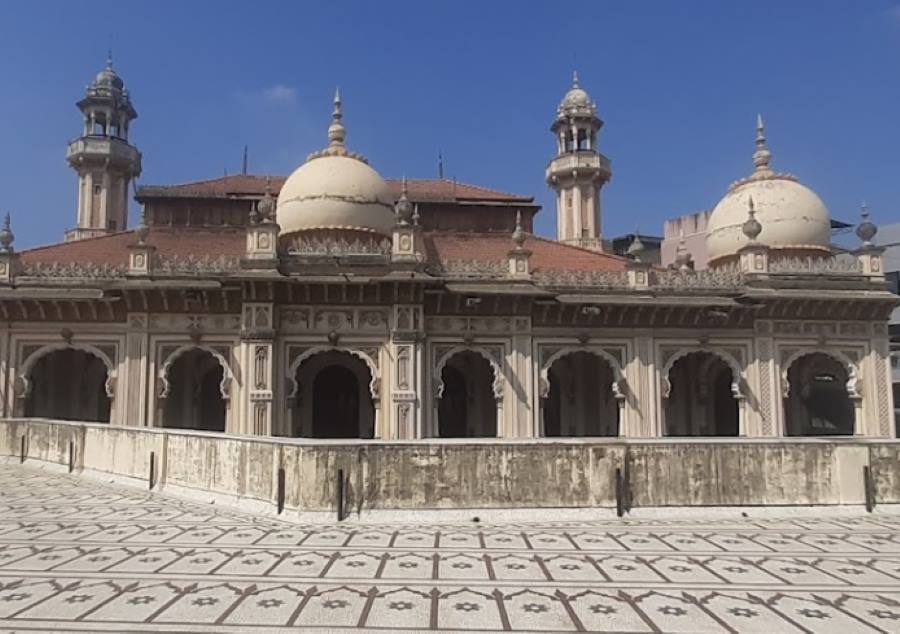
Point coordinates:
[(813, 266)]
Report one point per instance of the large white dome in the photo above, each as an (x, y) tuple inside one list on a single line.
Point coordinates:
[(335, 192), (335, 189), (793, 218)]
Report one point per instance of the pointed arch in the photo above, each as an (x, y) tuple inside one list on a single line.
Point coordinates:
[(28, 364), (497, 384), (737, 373), (853, 377), (374, 381), (227, 374), (618, 385)]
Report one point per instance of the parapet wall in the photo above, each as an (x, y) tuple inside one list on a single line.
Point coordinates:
[(461, 474)]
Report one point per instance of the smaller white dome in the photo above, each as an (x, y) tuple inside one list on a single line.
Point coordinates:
[(791, 216), (576, 97)]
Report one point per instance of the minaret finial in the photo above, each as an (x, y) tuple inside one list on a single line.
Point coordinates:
[(762, 156), (403, 209), (440, 165), (6, 236), (518, 235), (866, 229), (336, 131)]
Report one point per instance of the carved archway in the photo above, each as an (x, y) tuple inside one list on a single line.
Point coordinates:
[(618, 385), (737, 372), (23, 380), (227, 374), (374, 382), (853, 377), (496, 385)]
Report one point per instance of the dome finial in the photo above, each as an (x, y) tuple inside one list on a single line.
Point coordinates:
[(683, 259), (636, 248), (336, 131), (575, 79), (518, 235), (866, 229), (751, 227), (109, 59), (762, 156)]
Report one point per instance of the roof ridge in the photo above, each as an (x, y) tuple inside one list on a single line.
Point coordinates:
[(466, 184), (42, 247), (611, 256)]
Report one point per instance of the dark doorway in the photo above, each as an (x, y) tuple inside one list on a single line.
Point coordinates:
[(69, 384), (701, 401), (195, 398), (818, 403), (335, 411), (468, 408), (581, 400)]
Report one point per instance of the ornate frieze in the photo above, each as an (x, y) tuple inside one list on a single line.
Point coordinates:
[(470, 268), (196, 264), (328, 319), (177, 322), (816, 266), (70, 270), (329, 246), (723, 277), (476, 325)]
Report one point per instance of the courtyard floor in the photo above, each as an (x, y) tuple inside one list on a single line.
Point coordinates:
[(80, 556)]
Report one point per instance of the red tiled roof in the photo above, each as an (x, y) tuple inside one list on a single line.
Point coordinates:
[(546, 255), (441, 247), (424, 190), (113, 249)]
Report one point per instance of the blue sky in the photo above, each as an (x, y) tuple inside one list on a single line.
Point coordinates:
[(677, 83)]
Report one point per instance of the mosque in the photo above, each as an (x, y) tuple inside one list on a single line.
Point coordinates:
[(336, 304)]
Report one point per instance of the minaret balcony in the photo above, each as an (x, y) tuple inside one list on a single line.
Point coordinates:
[(585, 164), (100, 148)]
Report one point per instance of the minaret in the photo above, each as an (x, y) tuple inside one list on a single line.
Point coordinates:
[(102, 157), (579, 170)]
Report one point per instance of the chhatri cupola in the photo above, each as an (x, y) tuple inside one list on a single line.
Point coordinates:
[(335, 191), (578, 170), (102, 156), (793, 221)]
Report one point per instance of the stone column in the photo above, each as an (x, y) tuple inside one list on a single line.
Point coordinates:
[(767, 390), (641, 416), (255, 416), (406, 418), (6, 397)]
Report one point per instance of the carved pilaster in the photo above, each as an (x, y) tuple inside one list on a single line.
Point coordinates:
[(257, 353), (407, 372), (137, 370)]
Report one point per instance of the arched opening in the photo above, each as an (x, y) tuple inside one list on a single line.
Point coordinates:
[(701, 401), (581, 400), (69, 384), (817, 403), (468, 407), (333, 398), (195, 398)]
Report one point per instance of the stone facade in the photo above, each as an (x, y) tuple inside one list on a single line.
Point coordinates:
[(226, 311)]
